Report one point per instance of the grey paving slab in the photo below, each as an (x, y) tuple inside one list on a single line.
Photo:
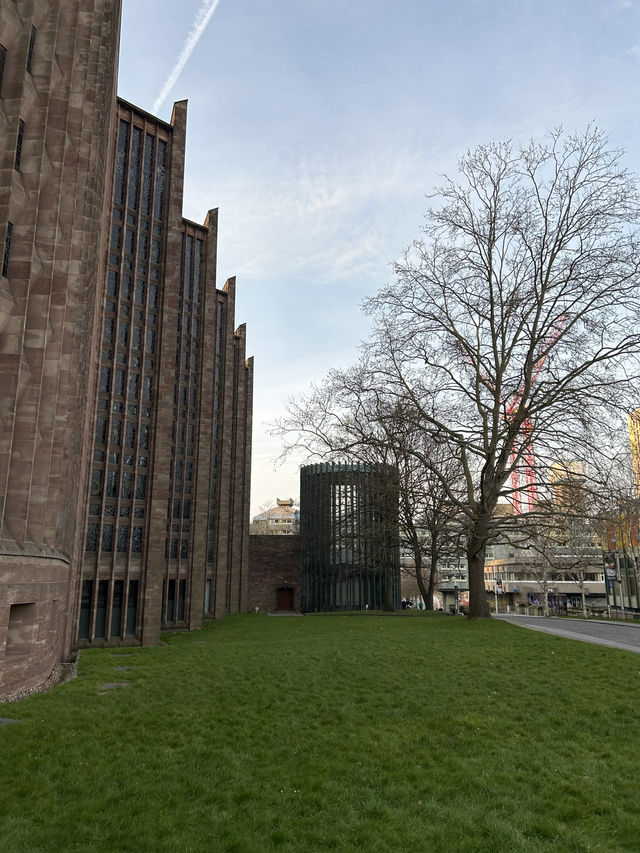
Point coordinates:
[(617, 635)]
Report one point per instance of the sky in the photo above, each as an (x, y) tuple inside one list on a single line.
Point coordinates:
[(319, 127)]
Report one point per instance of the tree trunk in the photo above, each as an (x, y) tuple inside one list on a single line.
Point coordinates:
[(476, 548), (424, 591), (388, 586), (433, 571)]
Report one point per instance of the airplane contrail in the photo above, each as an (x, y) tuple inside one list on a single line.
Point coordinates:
[(203, 17)]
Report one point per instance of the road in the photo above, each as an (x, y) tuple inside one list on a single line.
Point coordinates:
[(617, 635)]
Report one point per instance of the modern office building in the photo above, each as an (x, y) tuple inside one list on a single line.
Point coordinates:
[(125, 394), (349, 537)]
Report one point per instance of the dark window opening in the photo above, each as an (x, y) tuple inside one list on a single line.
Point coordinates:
[(96, 482), (7, 249), (32, 42), (101, 430), (127, 484), (116, 609), (116, 433), (171, 601), (130, 434), (101, 609), (132, 608), (136, 542), (105, 379), (123, 537), (141, 487), (84, 624), (92, 537), (18, 157), (107, 540), (134, 169), (182, 594), (112, 484), (3, 60)]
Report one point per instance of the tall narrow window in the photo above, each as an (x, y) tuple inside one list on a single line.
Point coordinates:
[(121, 162), (182, 593), (130, 434), (147, 176), (92, 537), (107, 539), (32, 42), (101, 609), (116, 608), (101, 430), (132, 608), (136, 541), (3, 60), (141, 487), (134, 169), (123, 537), (158, 198), (18, 157), (84, 623), (171, 601), (7, 249)]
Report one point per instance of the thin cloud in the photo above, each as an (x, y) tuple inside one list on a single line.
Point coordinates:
[(205, 13)]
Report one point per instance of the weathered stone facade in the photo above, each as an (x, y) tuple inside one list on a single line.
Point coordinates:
[(125, 393), (168, 513), (56, 98)]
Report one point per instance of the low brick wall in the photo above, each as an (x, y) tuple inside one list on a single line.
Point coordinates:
[(274, 564)]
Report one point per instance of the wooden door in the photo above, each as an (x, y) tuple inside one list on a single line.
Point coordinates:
[(284, 598)]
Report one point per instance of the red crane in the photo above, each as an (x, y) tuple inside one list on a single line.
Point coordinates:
[(523, 479)]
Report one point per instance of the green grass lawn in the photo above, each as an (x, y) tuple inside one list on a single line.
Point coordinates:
[(331, 732)]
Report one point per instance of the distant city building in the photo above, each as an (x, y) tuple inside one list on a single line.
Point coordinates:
[(567, 481), (280, 520), (349, 537), (633, 423), (562, 561), (125, 395)]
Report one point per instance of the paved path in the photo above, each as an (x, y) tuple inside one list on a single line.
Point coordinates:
[(618, 635)]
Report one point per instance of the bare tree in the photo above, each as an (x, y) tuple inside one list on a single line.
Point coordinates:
[(343, 418), (616, 513), (512, 331), (562, 547)]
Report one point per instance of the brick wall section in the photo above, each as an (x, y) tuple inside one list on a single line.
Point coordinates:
[(274, 562), (55, 201)]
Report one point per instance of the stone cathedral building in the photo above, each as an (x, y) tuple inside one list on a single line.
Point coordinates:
[(125, 393)]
